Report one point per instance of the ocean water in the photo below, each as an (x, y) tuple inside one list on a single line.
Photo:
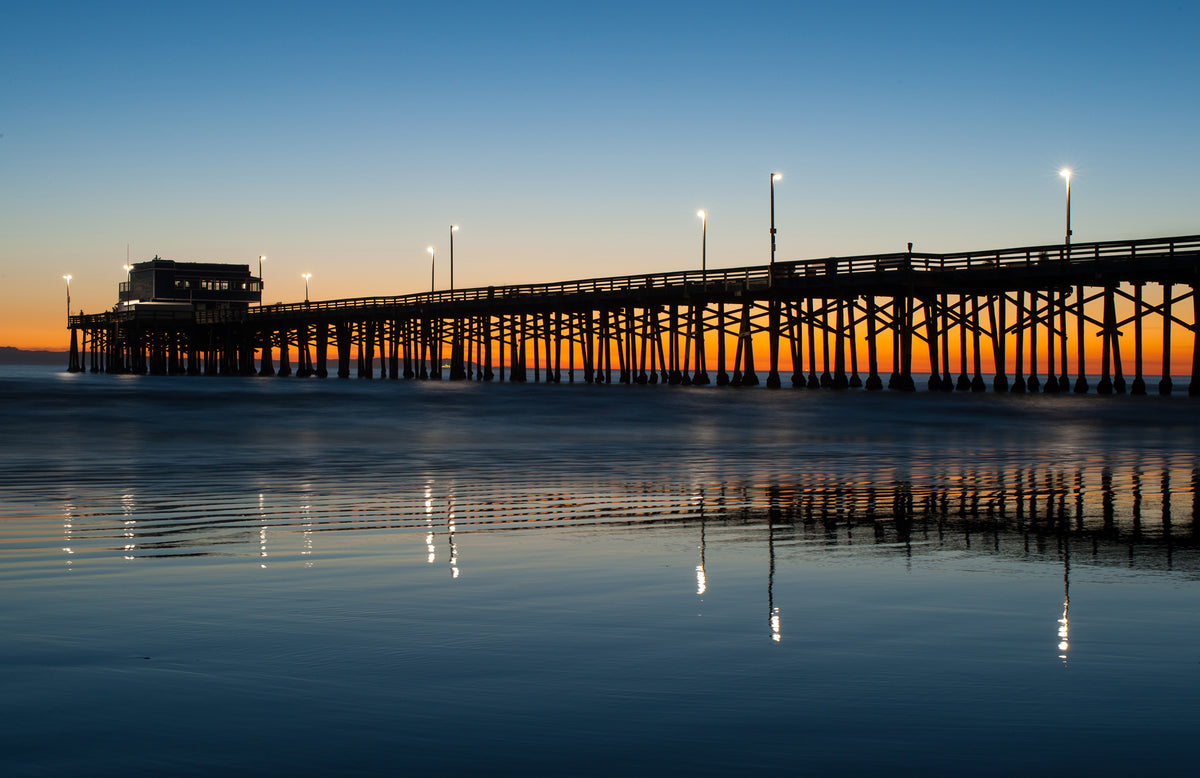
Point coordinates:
[(314, 577)]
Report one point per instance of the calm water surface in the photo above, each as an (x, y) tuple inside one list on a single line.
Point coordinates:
[(247, 576)]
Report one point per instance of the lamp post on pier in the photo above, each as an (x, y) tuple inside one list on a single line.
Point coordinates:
[(128, 268), (453, 229), (703, 243), (774, 177), (67, 278), (261, 259), (306, 276), (432, 269), (1066, 174)]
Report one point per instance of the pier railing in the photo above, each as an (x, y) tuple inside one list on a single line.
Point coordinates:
[(750, 278), (760, 276)]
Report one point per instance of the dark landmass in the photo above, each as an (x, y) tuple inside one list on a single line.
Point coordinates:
[(16, 356)]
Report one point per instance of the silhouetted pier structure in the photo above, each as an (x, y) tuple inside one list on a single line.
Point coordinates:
[(841, 322)]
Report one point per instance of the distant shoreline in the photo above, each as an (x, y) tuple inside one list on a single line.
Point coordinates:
[(15, 356)]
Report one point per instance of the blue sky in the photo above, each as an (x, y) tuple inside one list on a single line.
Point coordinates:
[(572, 140)]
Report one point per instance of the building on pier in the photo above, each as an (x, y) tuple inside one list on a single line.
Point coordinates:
[(162, 285)]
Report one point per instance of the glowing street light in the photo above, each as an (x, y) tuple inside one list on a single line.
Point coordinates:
[(67, 278), (261, 259), (128, 268), (703, 241), (1066, 173), (774, 177), (306, 276), (432, 269), (453, 229)]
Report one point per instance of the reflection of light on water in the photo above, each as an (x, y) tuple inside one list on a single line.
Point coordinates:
[(68, 526), (773, 619), (127, 510), (701, 579), (1063, 645), (308, 536), (453, 547), (262, 532), (429, 524), (1063, 624)]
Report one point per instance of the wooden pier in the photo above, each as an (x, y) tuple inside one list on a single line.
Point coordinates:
[(1033, 315)]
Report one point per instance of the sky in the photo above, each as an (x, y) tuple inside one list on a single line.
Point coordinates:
[(570, 140)]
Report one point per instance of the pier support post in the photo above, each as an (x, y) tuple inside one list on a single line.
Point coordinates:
[(266, 362), (722, 376), (851, 312), (1194, 386), (874, 382), (1018, 386), (773, 381), (674, 377), (1034, 302), (840, 381), (1105, 386), (813, 381), (931, 340), (341, 332), (73, 357), (393, 343), (485, 321), (795, 313), (589, 366), (700, 374), (322, 350), (458, 368), (947, 384), (245, 349), (999, 335), (1051, 386), (285, 363), (1139, 383), (303, 366), (964, 383), (1164, 385), (977, 384), (1081, 383), (826, 375), (749, 377), (906, 344)]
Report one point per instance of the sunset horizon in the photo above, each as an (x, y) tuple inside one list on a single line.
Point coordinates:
[(599, 389)]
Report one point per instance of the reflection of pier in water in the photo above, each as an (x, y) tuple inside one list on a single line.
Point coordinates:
[(1144, 514), (1129, 515)]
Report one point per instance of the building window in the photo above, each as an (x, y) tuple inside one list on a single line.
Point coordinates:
[(181, 283)]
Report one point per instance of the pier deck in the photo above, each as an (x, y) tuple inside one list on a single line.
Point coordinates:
[(1034, 313)]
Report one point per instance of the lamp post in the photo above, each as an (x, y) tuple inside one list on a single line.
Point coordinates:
[(432, 269), (261, 259), (703, 242), (306, 276), (1066, 173), (774, 177), (128, 282), (67, 278), (453, 229)]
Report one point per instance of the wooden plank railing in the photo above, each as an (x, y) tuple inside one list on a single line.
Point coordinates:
[(750, 277)]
